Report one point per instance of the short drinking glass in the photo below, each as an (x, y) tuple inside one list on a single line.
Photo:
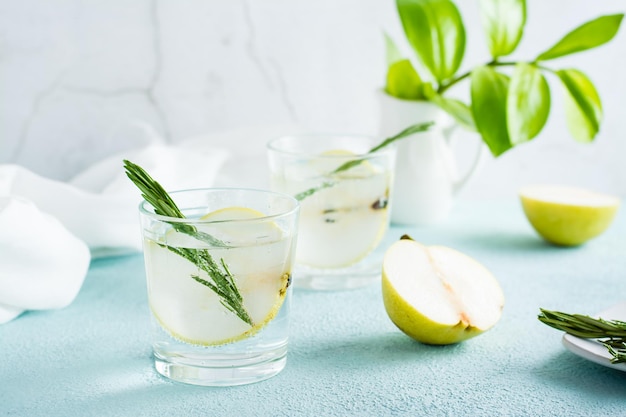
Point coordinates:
[(344, 192), (219, 284)]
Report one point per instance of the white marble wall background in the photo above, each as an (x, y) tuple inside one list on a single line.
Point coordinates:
[(75, 75)]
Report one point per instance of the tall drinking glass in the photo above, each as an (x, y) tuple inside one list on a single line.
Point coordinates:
[(345, 195), (219, 284)]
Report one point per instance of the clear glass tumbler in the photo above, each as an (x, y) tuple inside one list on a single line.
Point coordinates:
[(344, 192), (219, 284)]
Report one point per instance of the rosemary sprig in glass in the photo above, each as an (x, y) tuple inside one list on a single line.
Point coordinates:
[(352, 163), (221, 281), (611, 333)]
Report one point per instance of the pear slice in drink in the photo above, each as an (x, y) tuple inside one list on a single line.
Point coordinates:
[(341, 224), (191, 311)]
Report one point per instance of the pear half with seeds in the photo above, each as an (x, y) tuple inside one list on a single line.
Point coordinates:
[(438, 295)]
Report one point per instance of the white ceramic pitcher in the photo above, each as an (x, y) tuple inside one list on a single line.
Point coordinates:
[(426, 177)]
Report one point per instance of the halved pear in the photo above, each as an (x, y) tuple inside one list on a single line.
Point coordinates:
[(567, 216), (438, 295)]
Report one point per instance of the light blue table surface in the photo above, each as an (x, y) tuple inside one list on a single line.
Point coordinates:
[(346, 358)]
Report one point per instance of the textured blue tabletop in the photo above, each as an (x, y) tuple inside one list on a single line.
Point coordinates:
[(346, 357)]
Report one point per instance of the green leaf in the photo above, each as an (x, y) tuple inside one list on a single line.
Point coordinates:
[(583, 108), (435, 30), (527, 104), (403, 81), (503, 22), (457, 109), (589, 35), (489, 91), (392, 52)]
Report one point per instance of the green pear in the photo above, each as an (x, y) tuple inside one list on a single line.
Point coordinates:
[(438, 295), (567, 216)]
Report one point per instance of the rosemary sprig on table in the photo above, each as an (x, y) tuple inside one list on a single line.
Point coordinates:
[(611, 333), (221, 281), (350, 164)]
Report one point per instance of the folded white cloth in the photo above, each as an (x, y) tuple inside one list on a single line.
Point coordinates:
[(42, 264)]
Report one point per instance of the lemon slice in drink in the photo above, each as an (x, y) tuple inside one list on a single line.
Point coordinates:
[(191, 311), (341, 224)]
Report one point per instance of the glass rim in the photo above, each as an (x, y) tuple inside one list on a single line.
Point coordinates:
[(284, 213), (271, 145)]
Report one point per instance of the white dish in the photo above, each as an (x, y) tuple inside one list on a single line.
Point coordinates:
[(595, 351)]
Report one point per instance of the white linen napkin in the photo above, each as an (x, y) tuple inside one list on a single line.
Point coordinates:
[(42, 264)]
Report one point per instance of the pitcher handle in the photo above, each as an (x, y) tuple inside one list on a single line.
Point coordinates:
[(479, 158)]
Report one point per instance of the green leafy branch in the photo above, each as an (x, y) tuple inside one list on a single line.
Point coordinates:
[(506, 110), (611, 333), (221, 281), (355, 162)]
